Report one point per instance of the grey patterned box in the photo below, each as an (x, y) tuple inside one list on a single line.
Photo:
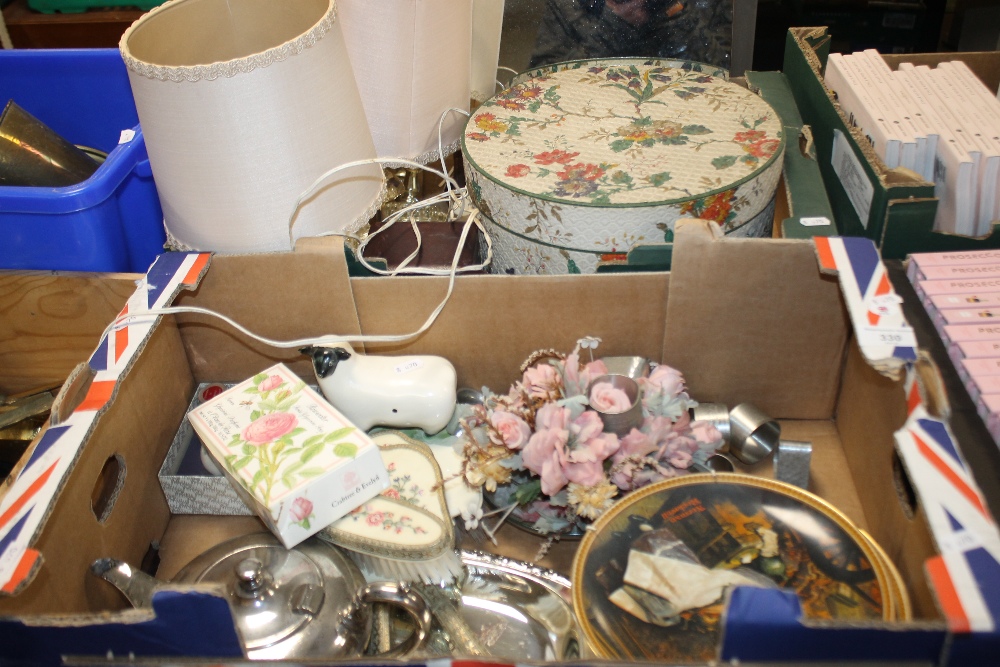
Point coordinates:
[(189, 487)]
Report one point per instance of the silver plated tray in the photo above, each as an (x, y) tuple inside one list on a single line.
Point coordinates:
[(513, 610)]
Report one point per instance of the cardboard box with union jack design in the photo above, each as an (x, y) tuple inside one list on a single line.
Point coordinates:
[(809, 331)]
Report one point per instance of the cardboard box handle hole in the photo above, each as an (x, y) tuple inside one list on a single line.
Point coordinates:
[(904, 487), (107, 488)]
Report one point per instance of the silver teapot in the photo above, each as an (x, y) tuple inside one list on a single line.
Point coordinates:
[(307, 602)]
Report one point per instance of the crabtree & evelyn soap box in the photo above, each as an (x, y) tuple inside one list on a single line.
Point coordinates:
[(290, 455)]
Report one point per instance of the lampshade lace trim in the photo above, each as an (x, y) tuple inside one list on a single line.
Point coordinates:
[(229, 68), (370, 212), (174, 244), (426, 157), (481, 97)]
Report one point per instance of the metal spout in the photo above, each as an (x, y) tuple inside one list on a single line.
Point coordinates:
[(135, 585)]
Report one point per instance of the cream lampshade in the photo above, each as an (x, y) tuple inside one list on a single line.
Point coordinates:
[(487, 26), (243, 104), (412, 61)]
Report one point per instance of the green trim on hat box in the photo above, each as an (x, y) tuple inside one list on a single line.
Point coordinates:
[(675, 63), (599, 253)]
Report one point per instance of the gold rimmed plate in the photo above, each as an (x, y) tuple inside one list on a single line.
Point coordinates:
[(650, 578), (897, 587)]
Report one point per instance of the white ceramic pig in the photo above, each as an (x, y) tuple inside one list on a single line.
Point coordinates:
[(370, 390)]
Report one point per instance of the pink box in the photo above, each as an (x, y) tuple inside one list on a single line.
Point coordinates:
[(982, 367), (982, 386), (973, 350), (963, 300), (919, 262), (954, 271), (956, 333), (926, 289), (961, 257), (989, 410), (976, 315)]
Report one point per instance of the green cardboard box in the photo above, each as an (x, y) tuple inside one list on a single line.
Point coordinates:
[(893, 207)]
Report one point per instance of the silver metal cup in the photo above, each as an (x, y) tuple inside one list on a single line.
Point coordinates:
[(633, 367), (620, 423), (715, 463), (717, 414), (754, 435)]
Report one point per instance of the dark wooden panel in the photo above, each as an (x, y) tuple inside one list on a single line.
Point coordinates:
[(95, 28)]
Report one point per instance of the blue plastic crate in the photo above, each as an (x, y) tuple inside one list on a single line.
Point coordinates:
[(113, 220)]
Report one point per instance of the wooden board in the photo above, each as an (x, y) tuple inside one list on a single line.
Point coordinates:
[(51, 322)]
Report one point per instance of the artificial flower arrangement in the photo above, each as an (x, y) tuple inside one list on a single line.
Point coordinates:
[(542, 453)]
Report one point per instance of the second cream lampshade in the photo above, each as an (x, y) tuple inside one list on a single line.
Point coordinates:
[(487, 27), (243, 104), (412, 61)]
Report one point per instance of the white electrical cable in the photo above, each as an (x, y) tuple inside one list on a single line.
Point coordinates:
[(318, 341), (454, 195), (473, 219), (444, 167), (500, 84), (316, 184)]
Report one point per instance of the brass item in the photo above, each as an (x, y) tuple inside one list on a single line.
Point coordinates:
[(32, 154), (405, 187), (25, 408)]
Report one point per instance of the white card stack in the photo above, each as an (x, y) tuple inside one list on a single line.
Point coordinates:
[(941, 123), (862, 110)]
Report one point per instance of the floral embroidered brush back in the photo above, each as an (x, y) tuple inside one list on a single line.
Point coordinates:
[(407, 521), (585, 159)]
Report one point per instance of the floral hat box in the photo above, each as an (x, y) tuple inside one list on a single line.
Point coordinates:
[(290, 455), (581, 161)]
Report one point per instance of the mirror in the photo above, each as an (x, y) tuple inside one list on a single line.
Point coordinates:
[(539, 32)]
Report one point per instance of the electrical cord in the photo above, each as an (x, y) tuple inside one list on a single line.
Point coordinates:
[(454, 195)]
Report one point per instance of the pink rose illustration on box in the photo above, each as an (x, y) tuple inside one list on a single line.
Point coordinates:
[(268, 453), (302, 511), (272, 382), (270, 427)]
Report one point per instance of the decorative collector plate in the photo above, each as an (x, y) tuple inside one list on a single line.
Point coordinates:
[(649, 581)]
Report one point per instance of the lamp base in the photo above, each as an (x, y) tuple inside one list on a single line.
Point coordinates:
[(405, 187)]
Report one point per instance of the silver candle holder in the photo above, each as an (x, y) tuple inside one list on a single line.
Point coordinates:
[(754, 435), (620, 423)]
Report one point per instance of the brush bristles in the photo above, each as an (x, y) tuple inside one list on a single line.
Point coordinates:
[(437, 571)]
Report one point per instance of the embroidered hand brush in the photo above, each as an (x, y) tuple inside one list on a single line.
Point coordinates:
[(406, 532)]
